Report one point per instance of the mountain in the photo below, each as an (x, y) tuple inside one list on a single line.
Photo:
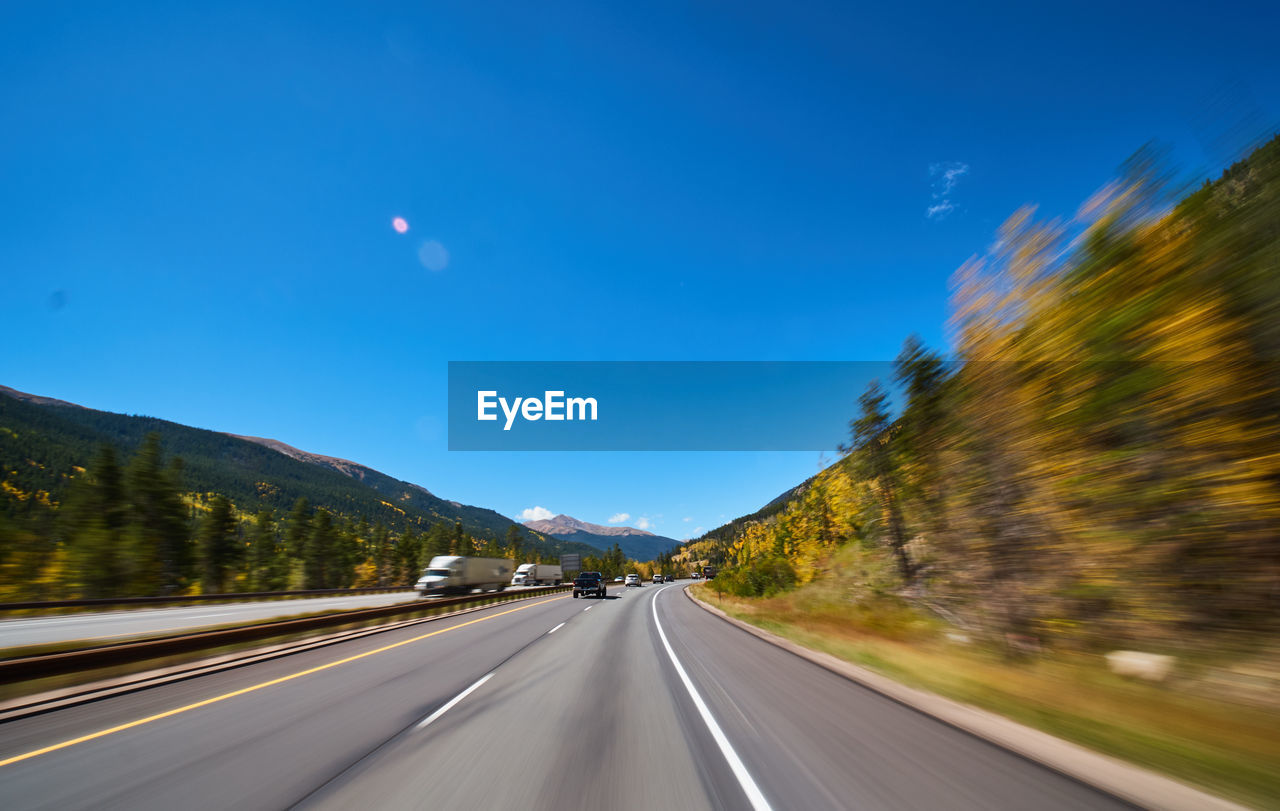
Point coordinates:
[(636, 544), (343, 466), (35, 398), (43, 441), (733, 529)]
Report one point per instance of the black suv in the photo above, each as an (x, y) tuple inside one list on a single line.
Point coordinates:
[(589, 584)]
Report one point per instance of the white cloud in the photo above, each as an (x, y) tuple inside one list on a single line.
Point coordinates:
[(946, 176), (536, 514), (949, 173), (699, 530), (686, 519), (643, 523), (618, 518), (940, 210)]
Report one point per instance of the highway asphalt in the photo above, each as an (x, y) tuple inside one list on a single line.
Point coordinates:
[(639, 699), (97, 626)]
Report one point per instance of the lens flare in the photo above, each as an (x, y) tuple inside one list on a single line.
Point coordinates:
[(400, 224), (433, 256)]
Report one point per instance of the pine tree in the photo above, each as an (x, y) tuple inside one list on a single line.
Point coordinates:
[(514, 543), (408, 553), (923, 428), (438, 542), (382, 554), (161, 555), (872, 447), (268, 568), (317, 552), (344, 558), (97, 515), (220, 549), (298, 529)]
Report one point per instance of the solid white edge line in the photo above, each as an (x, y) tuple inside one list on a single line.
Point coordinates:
[(433, 716), (557, 628), (749, 786)]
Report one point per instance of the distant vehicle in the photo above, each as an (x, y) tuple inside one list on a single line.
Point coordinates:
[(634, 580), (618, 579), (696, 575), (708, 572), (589, 584), (453, 574), (538, 574), (657, 578)]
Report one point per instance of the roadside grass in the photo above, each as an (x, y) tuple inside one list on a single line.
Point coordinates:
[(1226, 748)]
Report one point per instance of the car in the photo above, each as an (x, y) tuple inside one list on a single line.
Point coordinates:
[(657, 578), (618, 579), (589, 584), (696, 575), (634, 580)]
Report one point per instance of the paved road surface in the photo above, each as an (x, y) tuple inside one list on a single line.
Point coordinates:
[(135, 622), (548, 704)]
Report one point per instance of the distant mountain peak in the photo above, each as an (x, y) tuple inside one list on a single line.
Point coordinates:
[(567, 523), (36, 399), (345, 466), (637, 544)]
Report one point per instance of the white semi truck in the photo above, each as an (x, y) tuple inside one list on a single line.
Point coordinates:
[(453, 574), (538, 574)]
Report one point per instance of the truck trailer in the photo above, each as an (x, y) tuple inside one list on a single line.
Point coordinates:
[(452, 574), (538, 574)]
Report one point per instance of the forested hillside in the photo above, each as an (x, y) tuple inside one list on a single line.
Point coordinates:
[(713, 547), (1100, 462), (135, 499)]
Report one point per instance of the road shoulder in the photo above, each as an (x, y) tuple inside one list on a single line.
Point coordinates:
[(1126, 781)]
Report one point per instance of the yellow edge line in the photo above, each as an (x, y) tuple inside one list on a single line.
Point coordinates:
[(168, 713)]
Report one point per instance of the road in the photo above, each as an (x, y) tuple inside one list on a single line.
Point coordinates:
[(637, 700), (144, 621)]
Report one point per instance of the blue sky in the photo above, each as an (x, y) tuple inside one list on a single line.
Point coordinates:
[(196, 204)]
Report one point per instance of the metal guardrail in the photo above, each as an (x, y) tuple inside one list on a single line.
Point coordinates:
[(125, 653), (106, 602)]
